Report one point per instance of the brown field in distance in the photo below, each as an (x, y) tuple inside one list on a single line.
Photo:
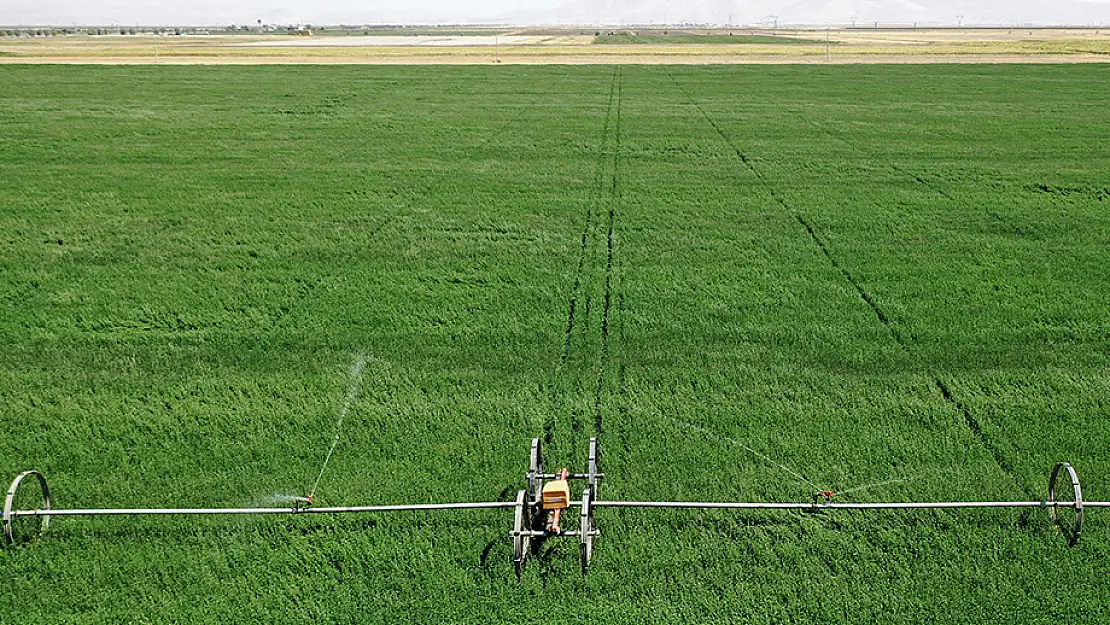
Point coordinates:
[(574, 46)]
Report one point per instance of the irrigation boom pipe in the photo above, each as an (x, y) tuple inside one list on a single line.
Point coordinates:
[(533, 508), (847, 506), (294, 510), (707, 505)]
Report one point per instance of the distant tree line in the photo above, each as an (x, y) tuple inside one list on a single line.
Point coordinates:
[(59, 32)]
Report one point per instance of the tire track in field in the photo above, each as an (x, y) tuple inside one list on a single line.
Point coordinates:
[(863, 294), (977, 429), (623, 408), (969, 419), (583, 253), (581, 279), (612, 213)]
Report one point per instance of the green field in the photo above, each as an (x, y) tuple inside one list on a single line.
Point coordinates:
[(867, 274), (663, 38)]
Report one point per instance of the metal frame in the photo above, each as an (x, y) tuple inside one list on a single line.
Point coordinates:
[(528, 522), (536, 476), (901, 505), (522, 539), (593, 469), (9, 514), (527, 511), (586, 530), (1077, 502)]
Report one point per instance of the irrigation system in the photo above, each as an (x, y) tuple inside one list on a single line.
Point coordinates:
[(539, 506)]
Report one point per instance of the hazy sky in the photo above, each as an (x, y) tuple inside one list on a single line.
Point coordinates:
[(248, 11), (218, 12)]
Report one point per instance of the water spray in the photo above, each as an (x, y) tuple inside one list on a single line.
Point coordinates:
[(757, 454), (355, 373)]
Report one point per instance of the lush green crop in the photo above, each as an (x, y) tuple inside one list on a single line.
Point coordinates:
[(870, 275)]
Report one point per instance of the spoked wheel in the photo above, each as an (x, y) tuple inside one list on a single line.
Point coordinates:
[(1070, 530), (521, 541), (34, 495), (535, 472), (594, 469), (586, 530)]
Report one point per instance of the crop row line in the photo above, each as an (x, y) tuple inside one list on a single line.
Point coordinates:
[(599, 189), (583, 252), (862, 292), (613, 199), (970, 421)]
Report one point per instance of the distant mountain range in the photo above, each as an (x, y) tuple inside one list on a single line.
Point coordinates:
[(576, 12), (819, 12)]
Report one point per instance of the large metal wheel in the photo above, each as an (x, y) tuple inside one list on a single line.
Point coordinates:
[(594, 469), (586, 530), (521, 541), (12, 530), (535, 472), (1071, 533)]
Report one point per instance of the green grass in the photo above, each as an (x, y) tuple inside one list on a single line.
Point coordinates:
[(795, 259), (624, 38)]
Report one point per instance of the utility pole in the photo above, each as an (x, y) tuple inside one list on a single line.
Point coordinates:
[(828, 52), (959, 21)]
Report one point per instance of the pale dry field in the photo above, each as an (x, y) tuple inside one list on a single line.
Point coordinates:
[(574, 47)]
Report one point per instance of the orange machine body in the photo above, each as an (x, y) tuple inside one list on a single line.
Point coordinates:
[(556, 495)]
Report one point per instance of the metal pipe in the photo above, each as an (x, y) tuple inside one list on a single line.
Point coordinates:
[(570, 504), (419, 506), (543, 534), (845, 506), (321, 510), (148, 511), (494, 505)]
